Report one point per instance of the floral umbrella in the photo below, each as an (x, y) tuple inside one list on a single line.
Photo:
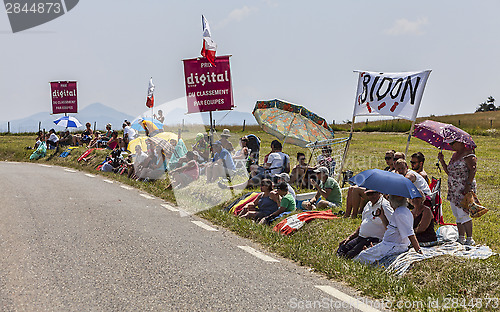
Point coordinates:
[(291, 123), (438, 133)]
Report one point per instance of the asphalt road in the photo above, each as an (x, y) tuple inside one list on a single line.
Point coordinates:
[(74, 242)]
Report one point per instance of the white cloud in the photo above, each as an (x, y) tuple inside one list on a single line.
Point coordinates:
[(403, 26), (237, 15)]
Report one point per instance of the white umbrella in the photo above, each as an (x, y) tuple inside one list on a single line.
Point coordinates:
[(68, 122)]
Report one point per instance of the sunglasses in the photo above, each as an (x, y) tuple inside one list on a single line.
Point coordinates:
[(414, 162), (388, 157)]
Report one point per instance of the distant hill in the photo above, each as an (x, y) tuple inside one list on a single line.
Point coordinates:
[(96, 112)]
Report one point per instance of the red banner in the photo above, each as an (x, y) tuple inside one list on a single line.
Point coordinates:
[(208, 88), (64, 97)]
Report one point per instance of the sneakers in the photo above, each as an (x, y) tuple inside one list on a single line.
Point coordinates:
[(469, 241)]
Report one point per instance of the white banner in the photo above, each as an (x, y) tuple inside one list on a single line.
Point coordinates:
[(390, 94)]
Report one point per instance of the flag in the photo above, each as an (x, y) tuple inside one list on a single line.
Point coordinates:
[(151, 99), (390, 94), (209, 46)]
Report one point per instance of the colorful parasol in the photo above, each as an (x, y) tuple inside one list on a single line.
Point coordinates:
[(291, 123), (438, 134)]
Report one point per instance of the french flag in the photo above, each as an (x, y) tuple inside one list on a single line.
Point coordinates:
[(209, 46), (151, 99)]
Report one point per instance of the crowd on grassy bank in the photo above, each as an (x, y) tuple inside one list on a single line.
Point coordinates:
[(386, 220)]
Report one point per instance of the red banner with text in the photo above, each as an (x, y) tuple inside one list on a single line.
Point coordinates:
[(208, 88), (64, 97)]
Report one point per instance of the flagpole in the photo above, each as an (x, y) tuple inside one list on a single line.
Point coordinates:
[(346, 148), (409, 137)]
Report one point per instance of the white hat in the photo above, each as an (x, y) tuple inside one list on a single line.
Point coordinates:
[(226, 132), (284, 176), (322, 170)]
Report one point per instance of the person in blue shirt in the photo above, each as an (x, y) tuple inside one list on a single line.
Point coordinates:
[(222, 164)]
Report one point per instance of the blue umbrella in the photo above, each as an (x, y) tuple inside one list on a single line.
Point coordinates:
[(136, 124), (386, 182), (68, 122)]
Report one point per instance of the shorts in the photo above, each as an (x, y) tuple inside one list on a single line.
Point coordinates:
[(460, 215)]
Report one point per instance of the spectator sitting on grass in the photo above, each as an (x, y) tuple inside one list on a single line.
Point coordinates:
[(222, 164), (301, 172), (402, 168), (397, 237), (52, 139), (187, 173), (66, 138), (267, 203), (284, 177), (287, 203), (372, 228), (417, 165), (327, 188)]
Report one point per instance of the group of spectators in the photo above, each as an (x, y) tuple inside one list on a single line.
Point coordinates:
[(89, 137), (389, 223)]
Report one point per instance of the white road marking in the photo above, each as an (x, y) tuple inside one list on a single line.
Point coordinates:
[(70, 170), (204, 226), (108, 181), (258, 254), (48, 166), (90, 175), (355, 303), (182, 213), (169, 207), (146, 196), (126, 187)]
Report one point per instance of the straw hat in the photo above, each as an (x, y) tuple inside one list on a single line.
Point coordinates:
[(226, 133)]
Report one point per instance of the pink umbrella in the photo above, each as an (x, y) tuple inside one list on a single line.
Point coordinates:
[(438, 134)]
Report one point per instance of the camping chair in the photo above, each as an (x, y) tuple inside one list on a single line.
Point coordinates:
[(434, 201)]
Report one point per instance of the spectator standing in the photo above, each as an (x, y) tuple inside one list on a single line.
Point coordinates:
[(461, 171)]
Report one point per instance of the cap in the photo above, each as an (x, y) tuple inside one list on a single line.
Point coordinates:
[(199, 136), (226, 132), (322, 170), (284, 176)]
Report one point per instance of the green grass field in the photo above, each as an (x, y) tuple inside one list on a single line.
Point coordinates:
[(315, 244)]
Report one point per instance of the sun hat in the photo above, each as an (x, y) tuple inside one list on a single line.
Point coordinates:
[(322, 170), (199, 136), (284, 176), (226, 132)]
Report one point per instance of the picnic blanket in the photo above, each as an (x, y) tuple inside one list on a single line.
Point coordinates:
[(400, 264), (293, 223)]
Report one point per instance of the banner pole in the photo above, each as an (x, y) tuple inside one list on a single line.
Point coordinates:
[(409, 137), (346, 149)]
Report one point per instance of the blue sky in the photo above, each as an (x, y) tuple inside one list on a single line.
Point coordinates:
[(301, 51)]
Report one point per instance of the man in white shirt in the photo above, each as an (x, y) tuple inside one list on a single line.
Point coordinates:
[(372, 228), (402, 168), (397, 237), (53, 139), (128, 135)]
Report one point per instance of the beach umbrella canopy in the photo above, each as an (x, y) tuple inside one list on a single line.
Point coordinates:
[(438, 134), (151, 125), (291, 123), (166, 136), (164, 144), (386, 182), (68, 122), (141, 141)]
